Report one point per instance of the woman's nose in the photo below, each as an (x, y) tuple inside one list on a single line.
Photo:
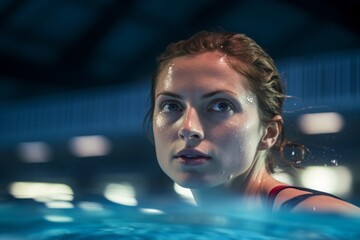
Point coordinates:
[(191, 127)]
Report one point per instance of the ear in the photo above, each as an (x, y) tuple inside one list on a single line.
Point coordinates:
[(271, 133)]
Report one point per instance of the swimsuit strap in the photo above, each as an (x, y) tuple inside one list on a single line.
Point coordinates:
[(292, 202), (273, 194)]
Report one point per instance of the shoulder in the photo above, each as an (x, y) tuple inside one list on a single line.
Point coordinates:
[(294, 199), (327, 204)]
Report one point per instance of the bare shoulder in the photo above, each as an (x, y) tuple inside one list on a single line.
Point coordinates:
[(305, 200), (327, 204)]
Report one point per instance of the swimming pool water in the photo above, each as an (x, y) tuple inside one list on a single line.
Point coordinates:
[(35, 221)]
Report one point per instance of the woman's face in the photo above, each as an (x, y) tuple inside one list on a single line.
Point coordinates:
[(206, 123)]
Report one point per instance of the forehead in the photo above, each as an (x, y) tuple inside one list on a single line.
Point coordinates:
[(211, 68)]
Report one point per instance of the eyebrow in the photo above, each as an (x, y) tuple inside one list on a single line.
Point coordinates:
[(210, 94), (207, 95), (174, 95)]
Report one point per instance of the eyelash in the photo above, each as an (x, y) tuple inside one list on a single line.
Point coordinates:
[(165, 104), (179, 107), (219, 101)]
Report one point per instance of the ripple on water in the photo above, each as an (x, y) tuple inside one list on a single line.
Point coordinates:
[(130, 223)]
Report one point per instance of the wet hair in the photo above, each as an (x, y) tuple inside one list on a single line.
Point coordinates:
[(246, 57)]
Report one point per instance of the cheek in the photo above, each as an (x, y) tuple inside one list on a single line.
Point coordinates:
[(158, 121), (159, 127), (238, 140), (235, 132), (160, 141), (163, 133)]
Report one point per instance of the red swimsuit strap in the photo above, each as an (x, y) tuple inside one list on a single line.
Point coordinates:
[(274, 192), (292, 202)]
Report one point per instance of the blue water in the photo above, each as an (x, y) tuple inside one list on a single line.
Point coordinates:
[(21, 220)]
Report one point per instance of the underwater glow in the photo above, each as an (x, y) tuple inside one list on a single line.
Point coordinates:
[(336, 180), (122, 193), (42, 192), (183, 223), (90, 146), (34, 152), (320, 123)]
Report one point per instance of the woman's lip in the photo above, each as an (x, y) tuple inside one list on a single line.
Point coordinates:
[(192, 157), (191, 154), (193, 161)]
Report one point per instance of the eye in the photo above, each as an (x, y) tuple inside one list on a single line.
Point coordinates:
[(170, 106), (222, 106)]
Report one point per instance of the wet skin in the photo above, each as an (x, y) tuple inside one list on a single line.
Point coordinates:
[(209, 137), (206, 123)]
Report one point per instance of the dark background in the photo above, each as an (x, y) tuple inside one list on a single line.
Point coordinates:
[(83, 67)]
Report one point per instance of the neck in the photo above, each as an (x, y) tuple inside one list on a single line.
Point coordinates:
[(250, 189)]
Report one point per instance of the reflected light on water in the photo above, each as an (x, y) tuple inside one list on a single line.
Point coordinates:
[(42, 192), (59, 205), (320, 123), (90, 146), (91, 206), (122, 193), (151, 211), (336, 180), (58, 218)]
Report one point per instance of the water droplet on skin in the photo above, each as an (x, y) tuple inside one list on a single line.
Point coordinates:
[(249, 98)]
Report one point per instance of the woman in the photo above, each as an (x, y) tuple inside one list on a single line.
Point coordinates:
[(216, 115)]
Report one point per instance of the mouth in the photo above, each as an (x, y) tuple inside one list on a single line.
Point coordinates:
[(192, 157)]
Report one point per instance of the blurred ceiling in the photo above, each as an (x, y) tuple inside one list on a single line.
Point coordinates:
[(48, 47)]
